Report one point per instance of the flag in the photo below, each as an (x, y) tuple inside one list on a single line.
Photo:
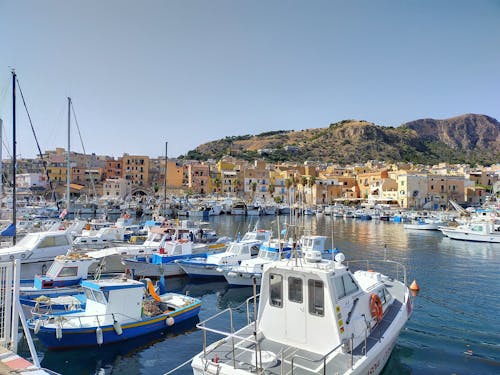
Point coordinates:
[(10, 231), (63, 214)]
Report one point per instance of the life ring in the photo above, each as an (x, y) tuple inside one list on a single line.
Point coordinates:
[(376, 307)]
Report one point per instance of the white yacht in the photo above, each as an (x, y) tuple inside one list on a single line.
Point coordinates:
[(37, 250), (478, 231), (314, 316)]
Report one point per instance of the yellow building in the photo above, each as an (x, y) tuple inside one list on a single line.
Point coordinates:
[(136, 169)]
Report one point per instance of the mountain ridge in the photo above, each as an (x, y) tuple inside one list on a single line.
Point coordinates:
[(468, 138)]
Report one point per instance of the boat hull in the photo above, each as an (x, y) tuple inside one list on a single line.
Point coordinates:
[(85, 337), (200, 270), (464, 236)]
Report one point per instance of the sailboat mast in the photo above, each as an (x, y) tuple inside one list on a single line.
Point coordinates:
[(1, 160), (68, 170), (165, 188), (14, 162)]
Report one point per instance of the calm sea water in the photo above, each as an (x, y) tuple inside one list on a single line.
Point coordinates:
[(455, 327)]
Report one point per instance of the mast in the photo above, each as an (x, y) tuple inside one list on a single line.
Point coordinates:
[(14, 203), (68, 160), (1, 160), (165, 188)]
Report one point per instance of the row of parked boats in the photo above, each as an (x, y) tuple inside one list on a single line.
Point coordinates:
[(305, 289)]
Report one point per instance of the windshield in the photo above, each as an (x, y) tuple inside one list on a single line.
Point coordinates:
[(52, 272), (29, 241), (271, 255), (233, 249)]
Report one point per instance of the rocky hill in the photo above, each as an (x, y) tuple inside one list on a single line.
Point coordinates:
[(468, 138)]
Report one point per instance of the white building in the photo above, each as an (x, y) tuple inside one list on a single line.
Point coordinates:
[(28, 180), (115, 188)]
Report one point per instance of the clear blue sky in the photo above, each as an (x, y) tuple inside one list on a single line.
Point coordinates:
[(141, 73)]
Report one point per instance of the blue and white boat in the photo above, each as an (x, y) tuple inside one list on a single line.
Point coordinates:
[(163, 263), (210, 266), (248, 270), (59, 289), (116, 310)]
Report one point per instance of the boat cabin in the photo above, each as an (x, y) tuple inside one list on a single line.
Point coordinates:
[(316, 304), (260, 235), (66, 270), (108, 297)]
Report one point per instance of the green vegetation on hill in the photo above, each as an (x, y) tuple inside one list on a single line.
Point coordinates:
[(473, 139)]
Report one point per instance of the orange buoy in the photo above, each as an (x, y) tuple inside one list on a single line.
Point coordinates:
[(414, 286)]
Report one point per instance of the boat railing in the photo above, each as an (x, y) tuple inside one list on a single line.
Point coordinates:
[(315, 361), (231, 335), (400, 269), (98, 317), (347, 346)]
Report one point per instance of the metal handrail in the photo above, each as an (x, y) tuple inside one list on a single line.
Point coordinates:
[(322, 359), (398, 264)]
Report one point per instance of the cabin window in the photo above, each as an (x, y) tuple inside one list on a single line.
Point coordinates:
[(276, 290), (254, 250), (345, 285), (295, 289), (61, 241), (99, 297), (47, 242), (68, 271), (89, 294), (316, 297)]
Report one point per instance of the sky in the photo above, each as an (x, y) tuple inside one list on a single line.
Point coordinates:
[(186, 72)]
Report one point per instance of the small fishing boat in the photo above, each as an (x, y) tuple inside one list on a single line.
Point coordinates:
[(116, 310), (314, 316), (425, 224), (59, 289)]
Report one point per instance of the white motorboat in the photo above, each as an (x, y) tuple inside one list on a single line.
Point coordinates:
[(238, 251), (314, 317), (37, 250), (249, 270), (478, 231), (425, 224)]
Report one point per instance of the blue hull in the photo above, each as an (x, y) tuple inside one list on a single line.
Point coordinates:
[(85, 337)]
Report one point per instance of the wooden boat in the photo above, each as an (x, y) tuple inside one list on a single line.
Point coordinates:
[(116, 310)]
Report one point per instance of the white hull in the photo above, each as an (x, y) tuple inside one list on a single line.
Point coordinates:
[(154, 270), (209, 270), (242, 278), (466, 236), (422, 226)]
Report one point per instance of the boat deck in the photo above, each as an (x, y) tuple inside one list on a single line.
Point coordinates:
[(279, 355)]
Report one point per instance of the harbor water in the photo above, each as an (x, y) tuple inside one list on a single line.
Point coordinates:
[(454, 329)]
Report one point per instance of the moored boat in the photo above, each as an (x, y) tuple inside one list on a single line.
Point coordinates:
[(314, 317), (116, 310)]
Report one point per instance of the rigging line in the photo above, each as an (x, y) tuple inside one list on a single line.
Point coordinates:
[(83, 147), (44, 162)]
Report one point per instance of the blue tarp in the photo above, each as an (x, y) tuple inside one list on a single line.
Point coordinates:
[(10, 231)]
